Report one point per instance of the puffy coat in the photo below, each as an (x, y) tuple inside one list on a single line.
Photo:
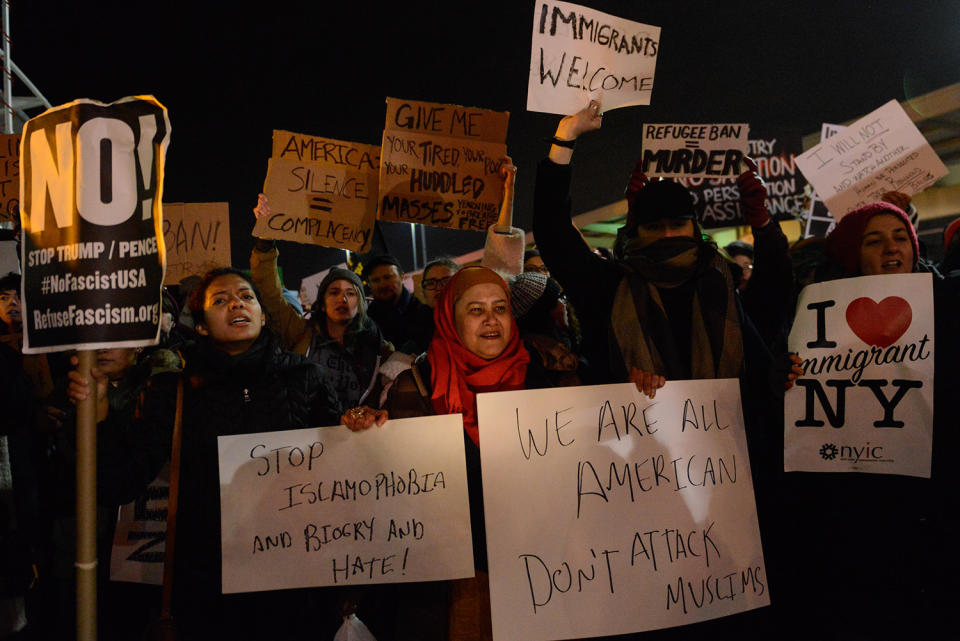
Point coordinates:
[(264, 389)]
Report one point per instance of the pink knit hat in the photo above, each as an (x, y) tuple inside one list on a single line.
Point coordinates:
[(843, 243), (950, 231)]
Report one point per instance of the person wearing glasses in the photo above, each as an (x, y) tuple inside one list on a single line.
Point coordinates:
[(532, 262), (436, 275)]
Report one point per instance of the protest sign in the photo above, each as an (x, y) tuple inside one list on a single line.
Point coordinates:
[(817, 220), (717, 200), (441, 165), (865, 400), (92, 251), (197, 238), (694, 150), (140, 537), (597, 496), (9, 257), (327, 506), (883, 151), (321, 191), (828, 130), (9, 176), (578, 54)]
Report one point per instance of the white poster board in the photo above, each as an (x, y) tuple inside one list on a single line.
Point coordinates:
[(578, 54), (609, 513), (883, 151), (327, 506), (828, 130), (139, 539), (694, 150), (865, 401)]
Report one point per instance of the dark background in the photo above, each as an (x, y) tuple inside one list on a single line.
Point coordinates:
[(230, 75)]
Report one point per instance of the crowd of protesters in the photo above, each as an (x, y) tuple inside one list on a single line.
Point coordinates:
[(848, 556)]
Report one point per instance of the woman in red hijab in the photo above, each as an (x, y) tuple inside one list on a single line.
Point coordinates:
[(476, 348)]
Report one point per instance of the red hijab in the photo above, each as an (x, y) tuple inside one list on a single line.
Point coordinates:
[(456, 373)]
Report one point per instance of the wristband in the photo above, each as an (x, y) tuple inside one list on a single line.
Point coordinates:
[(569, 144)]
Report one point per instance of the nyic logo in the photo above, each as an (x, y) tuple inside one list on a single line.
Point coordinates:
[(867, 452)]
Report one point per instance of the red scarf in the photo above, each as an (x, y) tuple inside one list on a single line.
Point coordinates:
[(457, 374)]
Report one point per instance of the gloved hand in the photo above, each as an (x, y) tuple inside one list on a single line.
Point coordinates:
[(752, 196), (638, 180)]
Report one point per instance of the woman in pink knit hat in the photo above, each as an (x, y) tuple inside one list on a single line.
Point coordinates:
[(843, 524), (874, 239)]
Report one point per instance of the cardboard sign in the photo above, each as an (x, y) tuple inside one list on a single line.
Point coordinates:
[(694, 150), (609, 513), (717, 200), (327, 506), (197, 238), (883, 151), (441, 165), (139, 539), (865, 400), (9, 176), (578, 54), (321, 191), (92, 252)]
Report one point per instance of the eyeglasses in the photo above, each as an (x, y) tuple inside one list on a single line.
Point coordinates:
[(434, 283)]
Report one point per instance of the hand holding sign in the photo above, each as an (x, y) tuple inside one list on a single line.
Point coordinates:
[(590, 118), (647, 382), (362, 418), (571, 127), (262, 210), (753, 195), (508, 173)]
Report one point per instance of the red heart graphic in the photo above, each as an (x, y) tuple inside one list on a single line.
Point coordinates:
[(880, 323)]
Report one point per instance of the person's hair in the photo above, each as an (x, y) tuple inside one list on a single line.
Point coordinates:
[(317, 313), (10, 281), (378, 261), (199, 294), (739, 248), (442, 261)]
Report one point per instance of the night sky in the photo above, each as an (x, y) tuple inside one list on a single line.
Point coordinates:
[(230, 76)]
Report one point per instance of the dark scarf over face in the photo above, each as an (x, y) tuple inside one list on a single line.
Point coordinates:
[(693, 276)]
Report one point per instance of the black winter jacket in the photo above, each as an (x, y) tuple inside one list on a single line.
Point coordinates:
[(261, 390)]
